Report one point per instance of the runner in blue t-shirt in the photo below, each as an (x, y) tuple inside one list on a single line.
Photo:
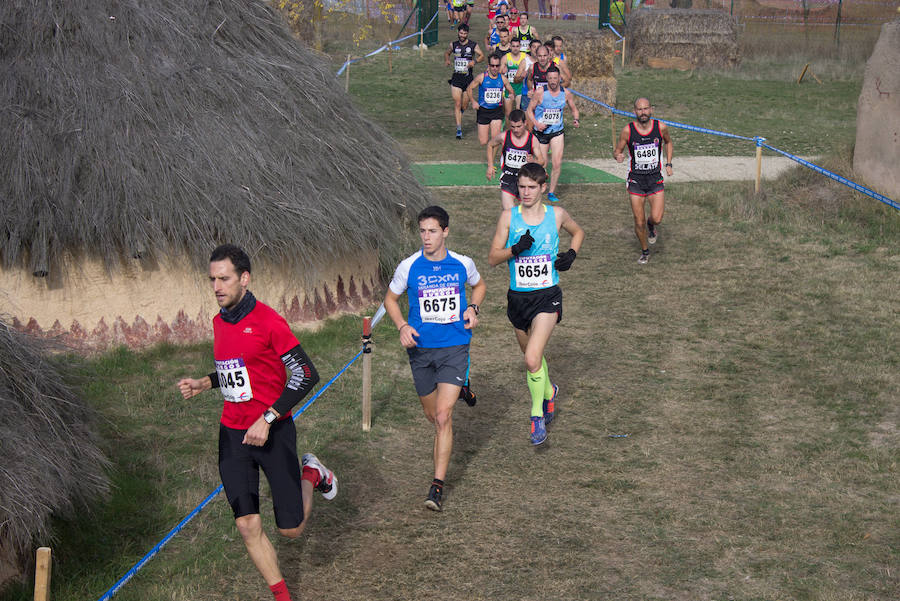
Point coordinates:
[(437, 331), (527, 238)]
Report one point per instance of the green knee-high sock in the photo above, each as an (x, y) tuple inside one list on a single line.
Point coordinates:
[(536, 387), (548, 385)]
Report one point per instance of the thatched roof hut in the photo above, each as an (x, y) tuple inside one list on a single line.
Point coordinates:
[(50, 462), (137, 136), (700, 38)]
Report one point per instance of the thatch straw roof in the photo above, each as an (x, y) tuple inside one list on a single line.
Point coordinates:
[(166, 127), (49, 459)]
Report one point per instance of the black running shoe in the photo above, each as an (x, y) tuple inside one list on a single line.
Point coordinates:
[(466, 394), (433, 502)]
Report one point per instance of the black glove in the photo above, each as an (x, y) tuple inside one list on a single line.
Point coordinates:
[(523, 244), (564, 260)]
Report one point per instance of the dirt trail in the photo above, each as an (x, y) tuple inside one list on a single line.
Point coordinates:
[(698, 168)]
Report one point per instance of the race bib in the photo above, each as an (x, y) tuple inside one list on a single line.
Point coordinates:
[(493, 95), (646, 157), (439, 305), (534, 271), (523, 44), (552, 116), (514, 158), (540, 84), (461, 65), (234, 380)]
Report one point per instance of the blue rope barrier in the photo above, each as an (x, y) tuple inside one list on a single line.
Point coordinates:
[(838, 178), (386, 46), (156, 549), (759, 142)]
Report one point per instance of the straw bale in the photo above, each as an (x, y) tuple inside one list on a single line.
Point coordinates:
[(50, 461), (590, 54), (600, 88), (159, 129), (705, 38)]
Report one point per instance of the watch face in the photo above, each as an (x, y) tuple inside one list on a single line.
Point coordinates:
[(269, 416)]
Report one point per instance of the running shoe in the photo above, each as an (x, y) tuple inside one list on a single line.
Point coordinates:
[(645, 257), (466, 394), (435, 498), (538, 430), (552, 197), (459, 133), (651, 232), (327, 480), (550, 406)]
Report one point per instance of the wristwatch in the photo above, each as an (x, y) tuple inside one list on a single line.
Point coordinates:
[(477, 310), (269, 416)]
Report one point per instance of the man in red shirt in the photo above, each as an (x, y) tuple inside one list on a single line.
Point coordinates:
[(252, 346)]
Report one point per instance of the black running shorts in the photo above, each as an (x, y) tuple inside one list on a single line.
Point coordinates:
[(433, 366), (644, 184), (461, 80), (485, 116), (239, 469), (510, 184), (523, 307)]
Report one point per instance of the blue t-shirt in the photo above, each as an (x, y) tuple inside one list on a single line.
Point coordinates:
[(534, 269), (436, 291)]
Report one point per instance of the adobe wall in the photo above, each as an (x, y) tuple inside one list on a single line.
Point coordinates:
[(143, 303)]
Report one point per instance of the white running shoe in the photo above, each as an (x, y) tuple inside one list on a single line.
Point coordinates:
[(327, 480)]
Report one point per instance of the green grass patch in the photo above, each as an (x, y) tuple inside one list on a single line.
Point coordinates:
[(473, 174)]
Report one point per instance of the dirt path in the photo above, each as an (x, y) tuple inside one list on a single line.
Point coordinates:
[(698, 168)]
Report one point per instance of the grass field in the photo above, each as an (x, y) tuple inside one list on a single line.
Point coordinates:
[(753, 366)]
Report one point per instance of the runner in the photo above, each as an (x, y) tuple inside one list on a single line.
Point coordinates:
[(459, 12), (489, 103), (493, 36), (518, 146), (532, 73), (505, 45), (252, 346), (644, 138), (545, 112), (524, 33), (439, 330), (509, 64), (465, 54), (527, 238)]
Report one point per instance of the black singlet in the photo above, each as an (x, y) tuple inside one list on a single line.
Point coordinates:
[(513, 157), (645, 150), (539, 76), (524, 40), (463, 51)]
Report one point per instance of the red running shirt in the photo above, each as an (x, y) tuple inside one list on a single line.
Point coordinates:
[(248, 363)]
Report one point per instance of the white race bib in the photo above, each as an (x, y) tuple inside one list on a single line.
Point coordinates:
[(533, 271), (551, 116), (493, 95), (515, 158), (523, 45), (234, 380), (439, 305), (646, 157), (461, 65)]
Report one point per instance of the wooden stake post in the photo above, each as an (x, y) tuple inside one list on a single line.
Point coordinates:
[(367, 375), (42, 574), (759, 142), (347, 73)]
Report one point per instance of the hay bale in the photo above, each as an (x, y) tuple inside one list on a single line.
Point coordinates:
[(50, 461), (705, 38), (589, 56)]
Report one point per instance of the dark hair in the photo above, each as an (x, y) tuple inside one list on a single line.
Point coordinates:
[(434, 212), (556, 37), (502, 29), (516, 115), (535, 41), (553, 69), (233, 253), (523, 14), (462, 27), (534, 172)]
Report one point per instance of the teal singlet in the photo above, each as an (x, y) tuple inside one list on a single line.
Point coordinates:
[(533, 269)]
